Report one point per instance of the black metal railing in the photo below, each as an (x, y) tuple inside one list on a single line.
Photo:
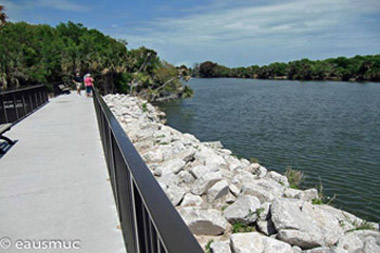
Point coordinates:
[(148, 220), (17, 104)]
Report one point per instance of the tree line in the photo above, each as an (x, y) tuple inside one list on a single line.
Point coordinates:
[(42, 54), (358, 68)]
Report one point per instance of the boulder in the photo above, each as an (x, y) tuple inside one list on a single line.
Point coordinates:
[(282, 180), (233, 163), (217, 191), (243, 210), (203, 221), (321, 250), (264, 189), (220, 247), (305, 225), (186, 177), (199, 171), (266, 227), (366, 241), (210, 158), (296, 249), (202, 184), (153, 156), (213, 144), (175, 194), (191, 200), (255, 243), (234, 190), (307, 195), (257, 170), (171, 166)]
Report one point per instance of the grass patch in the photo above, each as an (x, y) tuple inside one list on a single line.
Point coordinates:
[(208, 246), (254, 160), (295, 177), (259, 211), (317, 201), (224, 207), (364, 225), (322, 198), (144, 107), (242, 228)]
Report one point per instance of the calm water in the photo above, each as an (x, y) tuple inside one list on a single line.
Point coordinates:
[(329, 130)]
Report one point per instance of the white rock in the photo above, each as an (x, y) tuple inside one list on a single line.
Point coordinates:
[(234, 190), (220, 247), (243, 177), (202, 184), (266, 227), (154, 156), (186, 177), (296, 249), (244, 162), (199, 171), (278, 178), (264, 189), (187, 154), (213, 144), (217, 191), (305, 225), (243, 210), (191, 200), (257, 169), (230, 198), (233, 163), (255, 243), (264, 213), (172, 166), (365, 241), (210, 157), (321, 250), (204, 222), (175, 194), (307, 195)]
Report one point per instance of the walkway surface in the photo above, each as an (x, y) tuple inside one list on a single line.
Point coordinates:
[(54, 184)]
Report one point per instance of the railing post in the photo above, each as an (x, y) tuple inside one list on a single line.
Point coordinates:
[(4, 110), (15, 105)]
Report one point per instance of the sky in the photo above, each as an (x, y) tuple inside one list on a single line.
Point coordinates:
[(230, 32)]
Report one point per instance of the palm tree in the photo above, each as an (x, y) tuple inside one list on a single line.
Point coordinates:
[(3, 17)]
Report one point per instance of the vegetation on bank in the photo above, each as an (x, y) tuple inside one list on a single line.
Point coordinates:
[(358, 68), (35, 54)]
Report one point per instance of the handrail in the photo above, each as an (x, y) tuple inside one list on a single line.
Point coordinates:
[(149, 221), (17, 104), (22, 89)]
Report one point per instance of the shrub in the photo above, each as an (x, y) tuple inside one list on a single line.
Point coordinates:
[(242, 228), (254, 160), (295, 177)]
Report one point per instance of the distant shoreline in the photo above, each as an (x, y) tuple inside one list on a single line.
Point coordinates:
[(285, 78), (355, 69)]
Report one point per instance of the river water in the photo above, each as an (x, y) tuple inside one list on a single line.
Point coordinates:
[(329, 130)]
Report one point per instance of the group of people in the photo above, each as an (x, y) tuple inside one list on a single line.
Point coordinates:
[(88, 83)]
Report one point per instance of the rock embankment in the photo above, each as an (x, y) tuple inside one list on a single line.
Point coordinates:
[(233, 205)]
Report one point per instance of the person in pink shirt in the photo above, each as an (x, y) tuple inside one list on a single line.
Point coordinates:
[(89, 83)]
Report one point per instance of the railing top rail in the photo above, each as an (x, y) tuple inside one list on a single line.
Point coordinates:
[(22, 89), (173, 231)]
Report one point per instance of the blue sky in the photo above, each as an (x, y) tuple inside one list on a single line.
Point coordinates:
[(230, 32)]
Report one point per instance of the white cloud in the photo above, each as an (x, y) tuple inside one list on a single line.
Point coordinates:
[(64, 5), (289, 25)]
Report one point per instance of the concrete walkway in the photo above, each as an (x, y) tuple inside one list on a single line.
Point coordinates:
[(53, 183)]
